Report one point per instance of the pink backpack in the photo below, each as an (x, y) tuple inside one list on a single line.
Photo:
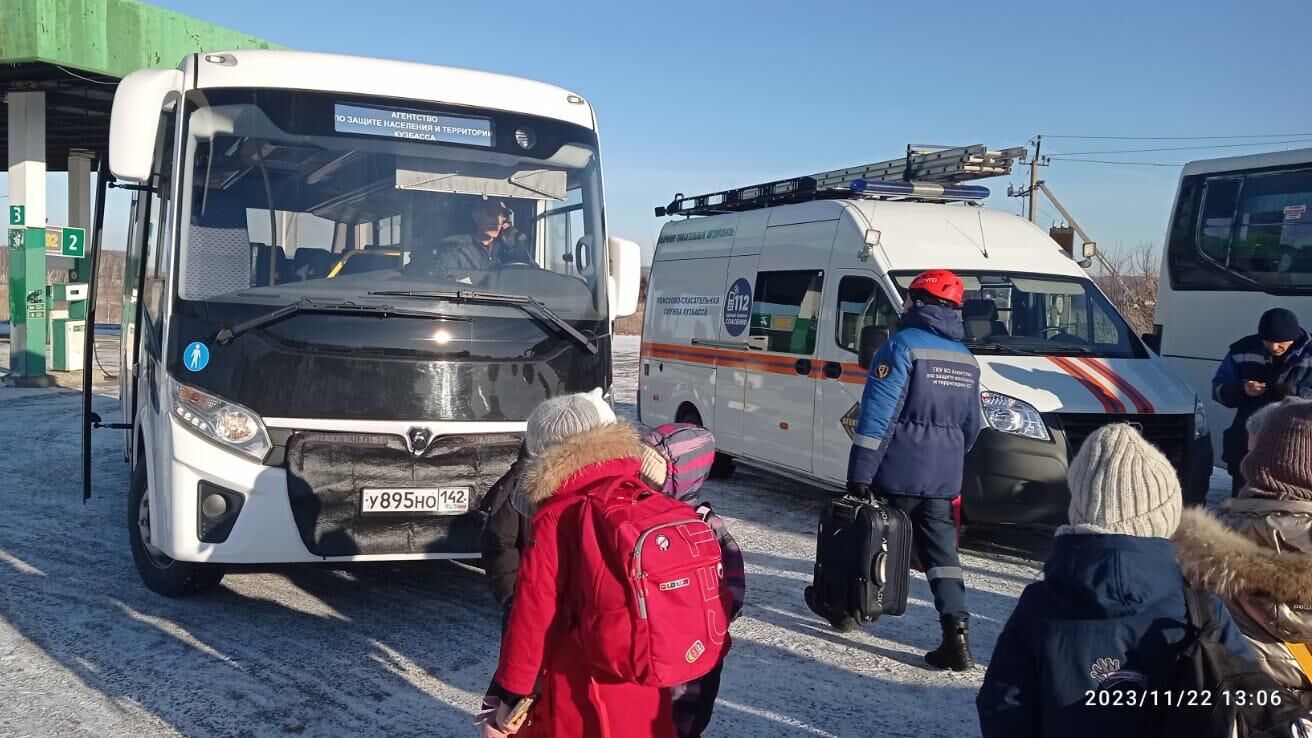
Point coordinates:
[(668, 622)]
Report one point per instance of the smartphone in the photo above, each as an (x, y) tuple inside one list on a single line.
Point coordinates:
[(518, 714)]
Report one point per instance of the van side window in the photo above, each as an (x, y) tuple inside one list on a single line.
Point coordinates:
[(786, 310), (881, 314), (860, 305), (853, 294)]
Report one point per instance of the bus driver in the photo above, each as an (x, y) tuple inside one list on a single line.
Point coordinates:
[(493, 242)]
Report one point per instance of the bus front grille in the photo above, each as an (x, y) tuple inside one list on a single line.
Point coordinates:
[(327, 473)]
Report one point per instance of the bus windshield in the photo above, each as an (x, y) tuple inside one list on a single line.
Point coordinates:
[(1014, 314), (293, 196)]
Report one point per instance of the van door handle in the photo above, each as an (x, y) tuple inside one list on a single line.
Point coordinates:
[(803, 367), (833, 370)]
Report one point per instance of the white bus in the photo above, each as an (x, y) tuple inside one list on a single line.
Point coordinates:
[(1238, 243), (349, 282)]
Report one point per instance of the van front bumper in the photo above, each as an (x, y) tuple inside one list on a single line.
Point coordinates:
[(1012, 479)]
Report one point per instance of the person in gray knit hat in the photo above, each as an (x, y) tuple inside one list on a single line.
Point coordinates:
[(507, 512), (1111, 607), (1121, 484), (561, 417)]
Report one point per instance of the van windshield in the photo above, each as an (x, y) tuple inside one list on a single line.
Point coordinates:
[(1015, 314)]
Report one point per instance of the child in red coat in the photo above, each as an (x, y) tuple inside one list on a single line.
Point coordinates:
[(542, 647)]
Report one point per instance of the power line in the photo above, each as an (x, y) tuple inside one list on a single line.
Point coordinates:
[(1178, 138), (1185, 148), (1127, 163)]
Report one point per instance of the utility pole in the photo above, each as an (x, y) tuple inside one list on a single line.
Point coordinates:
[(1034, 179)]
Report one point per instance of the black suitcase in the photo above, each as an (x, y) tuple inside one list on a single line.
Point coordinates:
[(862, 558)]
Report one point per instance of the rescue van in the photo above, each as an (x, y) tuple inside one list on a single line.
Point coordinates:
[(766, 305)]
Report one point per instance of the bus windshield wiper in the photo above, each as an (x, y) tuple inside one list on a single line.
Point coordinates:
[(227, 333), (1000, 348), (529, 305)]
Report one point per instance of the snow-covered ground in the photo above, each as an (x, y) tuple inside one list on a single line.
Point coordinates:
[(86, 650)]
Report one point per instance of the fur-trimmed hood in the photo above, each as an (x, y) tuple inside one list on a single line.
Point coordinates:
[(563, 463), (1226, 563)]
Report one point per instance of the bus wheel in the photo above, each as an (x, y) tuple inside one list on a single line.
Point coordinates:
[(723, 466), (160, 573)]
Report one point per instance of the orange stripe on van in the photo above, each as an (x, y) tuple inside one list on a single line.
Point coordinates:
[(730, 358), (1110, 402), (748, 360), (1141, 403)]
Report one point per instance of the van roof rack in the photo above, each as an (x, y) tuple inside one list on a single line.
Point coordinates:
[(924, 173)]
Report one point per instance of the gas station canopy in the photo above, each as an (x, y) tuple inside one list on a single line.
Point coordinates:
[(76, 51), (60, 62)]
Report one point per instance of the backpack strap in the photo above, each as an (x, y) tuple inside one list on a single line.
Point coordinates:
[(1303, 656), (1198, 605)]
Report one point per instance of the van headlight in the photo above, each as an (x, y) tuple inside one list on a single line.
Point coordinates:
[(1009, 415), (1200, 418), (225, 423)]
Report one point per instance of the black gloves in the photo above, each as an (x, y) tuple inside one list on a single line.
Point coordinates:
[(859, 490)]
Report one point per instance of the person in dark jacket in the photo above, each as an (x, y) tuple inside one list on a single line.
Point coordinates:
[(506, 529), (1261, 369), (493, 242), (920, 414), (1110, 608), (504, 534)]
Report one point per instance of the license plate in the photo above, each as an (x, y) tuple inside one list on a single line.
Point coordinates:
[(428, 501)]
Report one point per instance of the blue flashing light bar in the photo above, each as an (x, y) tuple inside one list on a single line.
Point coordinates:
[(919, 189)]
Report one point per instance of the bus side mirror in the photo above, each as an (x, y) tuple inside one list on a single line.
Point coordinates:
[(625, 276), (872, 337), (134, 121), (1153, 341)]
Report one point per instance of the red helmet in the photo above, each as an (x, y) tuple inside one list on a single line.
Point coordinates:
[(942, 284)]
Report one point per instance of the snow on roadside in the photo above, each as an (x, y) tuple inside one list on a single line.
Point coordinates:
[(401, 650)]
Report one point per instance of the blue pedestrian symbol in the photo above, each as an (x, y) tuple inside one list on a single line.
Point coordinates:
[(196, 357)]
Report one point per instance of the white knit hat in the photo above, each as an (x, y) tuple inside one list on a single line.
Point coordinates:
[(561, 417), (1121, 484)]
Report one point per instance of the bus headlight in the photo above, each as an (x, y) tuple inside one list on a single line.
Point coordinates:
[(1009, 415), (1200, 418), (218, 420)]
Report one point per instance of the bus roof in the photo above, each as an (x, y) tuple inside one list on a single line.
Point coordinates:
[(1248, 161), (303, 70)]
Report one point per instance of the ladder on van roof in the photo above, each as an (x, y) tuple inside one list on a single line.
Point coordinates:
[(923, 173)]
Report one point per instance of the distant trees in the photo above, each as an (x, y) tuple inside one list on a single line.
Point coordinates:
[(1129, 278)]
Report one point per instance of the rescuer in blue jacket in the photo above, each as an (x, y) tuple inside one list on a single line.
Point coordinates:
[(1257, 371), (920, 413)]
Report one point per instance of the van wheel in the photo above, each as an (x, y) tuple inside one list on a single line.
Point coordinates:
[(724, 465), (160, 573)]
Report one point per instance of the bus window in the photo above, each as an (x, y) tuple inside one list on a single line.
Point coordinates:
[(1214, 225), (1252, 231), (1273, 229)]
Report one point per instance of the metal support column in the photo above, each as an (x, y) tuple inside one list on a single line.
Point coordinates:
[(27, 239), (79, 209)]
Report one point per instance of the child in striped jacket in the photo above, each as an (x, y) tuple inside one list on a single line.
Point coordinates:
[(676, 459)]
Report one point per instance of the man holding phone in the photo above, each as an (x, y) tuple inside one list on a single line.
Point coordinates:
[(1261, 369), (492, 242)]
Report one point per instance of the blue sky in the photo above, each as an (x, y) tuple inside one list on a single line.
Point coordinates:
[(695, 96)]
